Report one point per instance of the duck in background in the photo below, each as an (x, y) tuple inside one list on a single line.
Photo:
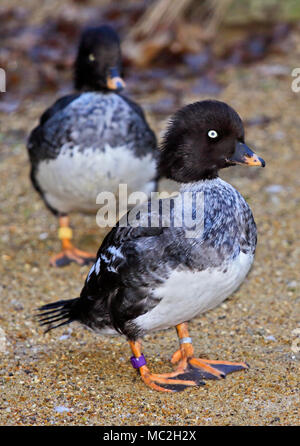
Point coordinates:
[(91, 141), (153, 277)]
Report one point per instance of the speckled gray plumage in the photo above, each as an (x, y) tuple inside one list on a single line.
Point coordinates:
[(93, 119), (133, 262), (90, 120)]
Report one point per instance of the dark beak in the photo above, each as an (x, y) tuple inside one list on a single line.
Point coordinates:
[(114, 81), (244, 155)]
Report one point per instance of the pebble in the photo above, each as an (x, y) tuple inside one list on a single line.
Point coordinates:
[(292, 285), (63, 337), (274, 189), (43, 236), (61, 409), (270, 338), (17, 305)]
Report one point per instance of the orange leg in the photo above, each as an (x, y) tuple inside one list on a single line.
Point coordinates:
[(209, 369), (190, 370), (166, 382), (69, 253)]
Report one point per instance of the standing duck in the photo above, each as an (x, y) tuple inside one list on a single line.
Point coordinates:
[(91, 141), (153, 277)]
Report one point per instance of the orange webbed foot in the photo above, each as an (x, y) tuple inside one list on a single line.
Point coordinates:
[(170, 382), (210, 369), (175, 381), (190, 371), (70, 255)]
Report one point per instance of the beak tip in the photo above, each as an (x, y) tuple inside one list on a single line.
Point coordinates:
[(244, 155), (119, 86), (115, 84), (263, 163)]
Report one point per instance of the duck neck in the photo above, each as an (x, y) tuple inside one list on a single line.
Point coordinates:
[(84, 80), (83, 87), (200, 185), (208, 175)]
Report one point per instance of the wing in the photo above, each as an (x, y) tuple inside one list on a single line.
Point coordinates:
[(133, 255), (43, 142), (90, 120), (59, 105), (122, 252), (130, 263)]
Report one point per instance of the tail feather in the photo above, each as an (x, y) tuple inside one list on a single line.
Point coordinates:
[(56, 314)]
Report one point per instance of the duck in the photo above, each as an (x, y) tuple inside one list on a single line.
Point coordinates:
[(166, 271), (91, 141)]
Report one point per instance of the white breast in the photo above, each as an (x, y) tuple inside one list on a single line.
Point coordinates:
[(185, 294), (72, 183)]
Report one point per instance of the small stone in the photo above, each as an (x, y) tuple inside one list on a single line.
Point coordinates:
[(43, 236), (270, 338), (61, 409), (274, 189), (292, 285), (63, 337), (17, 305)]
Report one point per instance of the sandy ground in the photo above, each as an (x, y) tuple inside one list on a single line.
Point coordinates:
[(74, 377)]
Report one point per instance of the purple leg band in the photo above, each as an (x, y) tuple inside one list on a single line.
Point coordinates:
[(138, 362)]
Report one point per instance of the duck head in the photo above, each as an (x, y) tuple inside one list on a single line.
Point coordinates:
[(201, 139), (98, 64)]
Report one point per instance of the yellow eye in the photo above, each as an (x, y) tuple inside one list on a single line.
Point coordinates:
[(212, 133), (92, 57)]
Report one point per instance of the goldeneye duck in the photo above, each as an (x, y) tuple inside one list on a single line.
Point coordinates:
[(91, 141), (151, 277)]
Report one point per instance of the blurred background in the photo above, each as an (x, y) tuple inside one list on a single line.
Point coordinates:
[(175, 52), (171, 48)]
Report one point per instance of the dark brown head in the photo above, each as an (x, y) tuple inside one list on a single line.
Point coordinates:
[(201, 139), (98, 65)]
